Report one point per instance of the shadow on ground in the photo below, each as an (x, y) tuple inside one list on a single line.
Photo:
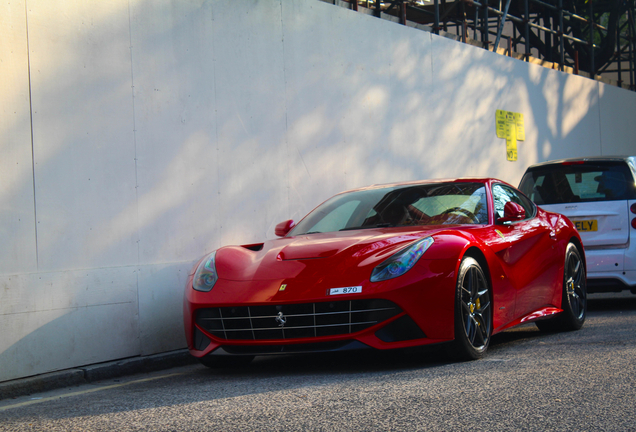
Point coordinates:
[(612, 302)]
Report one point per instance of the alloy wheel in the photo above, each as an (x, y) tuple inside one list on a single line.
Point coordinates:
[(574, 285), (475, 302)]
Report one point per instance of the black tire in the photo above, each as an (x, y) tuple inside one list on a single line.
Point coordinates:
[(230, 361), (473, 312), (574, 295)]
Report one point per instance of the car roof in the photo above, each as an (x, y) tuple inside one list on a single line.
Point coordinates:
[(628, 159), (431, 181)]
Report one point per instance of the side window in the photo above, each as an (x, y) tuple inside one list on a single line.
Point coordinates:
[(502, 194), (527, 204)]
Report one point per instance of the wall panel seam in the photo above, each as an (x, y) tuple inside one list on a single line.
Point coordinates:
[(35, 207)]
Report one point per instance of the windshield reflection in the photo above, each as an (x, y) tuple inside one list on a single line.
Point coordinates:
[(397, 206)]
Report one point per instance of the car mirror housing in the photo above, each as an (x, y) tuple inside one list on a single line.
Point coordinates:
[(283, 228), (512, 212)]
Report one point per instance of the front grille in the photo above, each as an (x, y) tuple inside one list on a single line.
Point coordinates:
[(301, 320), (302, 348)]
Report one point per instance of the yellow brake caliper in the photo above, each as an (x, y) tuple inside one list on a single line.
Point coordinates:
[(474, 307)]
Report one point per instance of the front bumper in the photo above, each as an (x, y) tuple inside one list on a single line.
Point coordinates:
[(423, 314)]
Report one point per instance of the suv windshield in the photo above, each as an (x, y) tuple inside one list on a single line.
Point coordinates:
[(578, 182), (424, 204)]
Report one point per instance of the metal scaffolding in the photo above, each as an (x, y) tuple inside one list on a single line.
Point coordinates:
[(591, 37)]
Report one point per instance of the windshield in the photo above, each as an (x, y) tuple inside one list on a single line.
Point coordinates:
[(578, 182), (427, 204)]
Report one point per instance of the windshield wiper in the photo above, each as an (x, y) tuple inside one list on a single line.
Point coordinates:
[(382, 225)]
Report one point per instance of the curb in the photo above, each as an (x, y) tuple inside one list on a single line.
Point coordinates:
[(95, 372)]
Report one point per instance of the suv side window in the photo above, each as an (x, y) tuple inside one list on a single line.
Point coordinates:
[(502, 194)]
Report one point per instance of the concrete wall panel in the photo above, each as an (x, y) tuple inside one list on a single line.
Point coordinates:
[(160, 290), (356, 87), (82, 134), (251, 119), (57, 320), (618, 129), (175, 129), (17, 217)]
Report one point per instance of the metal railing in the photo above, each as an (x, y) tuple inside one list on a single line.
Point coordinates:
[(597, 37)]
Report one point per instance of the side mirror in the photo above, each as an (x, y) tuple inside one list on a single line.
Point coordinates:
[(512, 212), (283, 228)]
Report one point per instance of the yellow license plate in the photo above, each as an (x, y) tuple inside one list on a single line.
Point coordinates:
[(586, 225)]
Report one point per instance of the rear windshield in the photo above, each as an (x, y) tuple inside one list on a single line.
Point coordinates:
[(587, 182)]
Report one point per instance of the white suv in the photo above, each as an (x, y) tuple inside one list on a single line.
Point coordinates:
[(598, 194)]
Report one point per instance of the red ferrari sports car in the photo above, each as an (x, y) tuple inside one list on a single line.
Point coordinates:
[(391, 266)]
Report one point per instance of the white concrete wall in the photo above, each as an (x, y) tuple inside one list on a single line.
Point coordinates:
[(137, 135)]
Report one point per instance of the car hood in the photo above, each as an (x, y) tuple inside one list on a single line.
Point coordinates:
[(311, 256)]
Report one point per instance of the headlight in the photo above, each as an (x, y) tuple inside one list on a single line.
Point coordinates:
[(401, 262), (205, 277)]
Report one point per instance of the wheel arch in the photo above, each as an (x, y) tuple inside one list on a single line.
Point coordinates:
[(478, 255), (577, 242)]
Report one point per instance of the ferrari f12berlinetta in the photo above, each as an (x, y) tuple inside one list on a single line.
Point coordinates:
[(391, 266)]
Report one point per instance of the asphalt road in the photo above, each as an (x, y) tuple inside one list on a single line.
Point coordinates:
[(529, 381)]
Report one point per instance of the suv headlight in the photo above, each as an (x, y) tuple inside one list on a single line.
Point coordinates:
[(402, 261), (205, 276)]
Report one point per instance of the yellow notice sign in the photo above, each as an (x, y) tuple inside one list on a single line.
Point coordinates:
[(511, 128)]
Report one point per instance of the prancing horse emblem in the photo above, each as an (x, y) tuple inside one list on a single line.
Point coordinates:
[(281, 320)]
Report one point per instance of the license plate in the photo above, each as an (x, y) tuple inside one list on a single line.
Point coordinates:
[(345, 290), (586, 225)]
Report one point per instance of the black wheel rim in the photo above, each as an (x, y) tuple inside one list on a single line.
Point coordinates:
[(575, 285), (475, 303)]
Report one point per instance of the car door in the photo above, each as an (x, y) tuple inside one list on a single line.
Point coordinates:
[(530, 261)]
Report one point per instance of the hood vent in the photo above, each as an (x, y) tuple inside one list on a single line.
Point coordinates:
[(254, 247)]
